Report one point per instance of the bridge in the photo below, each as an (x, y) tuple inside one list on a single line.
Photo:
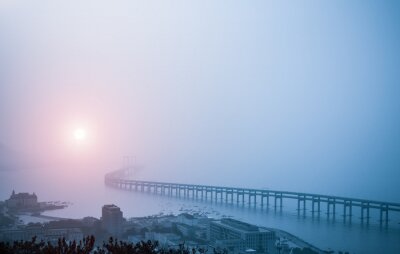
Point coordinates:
[(262, 197)]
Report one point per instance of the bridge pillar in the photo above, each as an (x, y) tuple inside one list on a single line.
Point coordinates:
[(278, 196), (384, 210), (350, 210), (312, 205), (299, 199), (298, 204), (347, 203), (334, 208), (364, 206), (262, 199)]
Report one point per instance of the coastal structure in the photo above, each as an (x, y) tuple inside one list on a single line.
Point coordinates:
[(240, 237), (112, 220), (314, 203), (22, 200)]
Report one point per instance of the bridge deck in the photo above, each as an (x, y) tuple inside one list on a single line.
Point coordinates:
[(117, 179)]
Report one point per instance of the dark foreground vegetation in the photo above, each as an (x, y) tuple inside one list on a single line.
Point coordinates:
[(87, 245)]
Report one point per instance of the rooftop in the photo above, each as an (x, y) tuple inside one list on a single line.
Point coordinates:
[(22, 195), (240, 225)]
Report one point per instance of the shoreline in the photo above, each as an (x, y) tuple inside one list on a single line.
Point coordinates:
[(297, 240)]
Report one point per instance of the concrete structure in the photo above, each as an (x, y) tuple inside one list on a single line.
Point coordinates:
[(112, 220), (259, 197), (239, 237), (22, 200)]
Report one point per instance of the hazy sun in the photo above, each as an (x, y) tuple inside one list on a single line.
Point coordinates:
[(80, 134)]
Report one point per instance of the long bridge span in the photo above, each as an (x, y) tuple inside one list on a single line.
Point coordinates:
[(261, 197)]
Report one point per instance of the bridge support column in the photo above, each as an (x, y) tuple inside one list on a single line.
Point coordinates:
[(329, 208), (350, 210), (278, 196), (298, 204), (312, 206), (334, 208), (364, 206), (384, 210)]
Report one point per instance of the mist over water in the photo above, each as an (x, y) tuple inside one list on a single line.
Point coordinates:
[(278, 95), (87, 200)]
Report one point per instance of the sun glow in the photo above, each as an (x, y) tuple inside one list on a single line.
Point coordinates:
[(80, 134)]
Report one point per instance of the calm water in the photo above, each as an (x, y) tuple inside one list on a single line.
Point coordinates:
[(89, 193)]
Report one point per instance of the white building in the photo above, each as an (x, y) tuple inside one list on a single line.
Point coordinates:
[(238, 237)]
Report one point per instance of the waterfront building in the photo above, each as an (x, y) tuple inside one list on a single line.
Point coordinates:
[(187, 219), (112, 220), (22, 200), (238, 237)]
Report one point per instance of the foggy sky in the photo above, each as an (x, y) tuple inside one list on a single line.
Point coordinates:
[(300, 95)]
